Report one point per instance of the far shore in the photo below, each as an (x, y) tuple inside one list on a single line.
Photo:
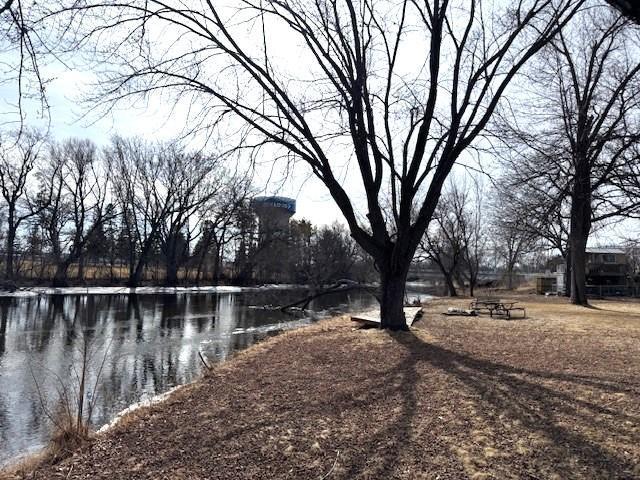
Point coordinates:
[(148, 289), (553, 395)]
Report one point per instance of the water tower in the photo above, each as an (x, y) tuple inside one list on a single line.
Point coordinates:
[(273, 255), (273, 213)]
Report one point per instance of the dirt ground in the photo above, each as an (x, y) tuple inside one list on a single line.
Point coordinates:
[(552, 396)]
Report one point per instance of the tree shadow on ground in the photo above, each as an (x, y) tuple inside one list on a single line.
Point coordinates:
[(576, 435), (385, 444)]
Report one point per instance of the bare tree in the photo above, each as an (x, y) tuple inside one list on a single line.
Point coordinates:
[(532, 202), (404, 120), (85, 185), (18, 157), (582, 140), (456, 240), (191, 181), (161, 191), (145, 203), (444, 243), (473, 236), (218, 218), (24, 46), (515, 228), (54, 213)]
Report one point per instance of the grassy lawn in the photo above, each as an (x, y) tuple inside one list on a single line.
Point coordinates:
[(555, 395)]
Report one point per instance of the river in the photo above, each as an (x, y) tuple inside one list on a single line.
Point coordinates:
[(137, 345)]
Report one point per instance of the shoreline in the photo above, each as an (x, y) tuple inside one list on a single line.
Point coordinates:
[(158, 399), (139, 408), (34, 291), (456, 397), (144, 290), (215, 334)]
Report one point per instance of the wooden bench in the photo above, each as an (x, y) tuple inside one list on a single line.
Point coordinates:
[(372, 317)]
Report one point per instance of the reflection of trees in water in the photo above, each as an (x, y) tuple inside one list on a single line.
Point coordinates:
[(4, 434), (4, 316), (227, 320), (149, 372), (37, 422), (203, 311), (133, 315), (3, 404), (168, 309), (55, 307), (135, 369), (153, 345)]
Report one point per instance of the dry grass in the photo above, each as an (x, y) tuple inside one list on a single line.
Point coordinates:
[(66, 440), (24, 467), (29, 271), (556, 395)]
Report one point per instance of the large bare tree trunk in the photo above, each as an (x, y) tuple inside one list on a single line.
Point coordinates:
[(80, 275), (11, 241), (393, 279), (216, 265), (578, 271), (567, 273), (172, 270), (451, 288), (60, 278), (579, 233), (135, 276), (4, 314), (199, 270)]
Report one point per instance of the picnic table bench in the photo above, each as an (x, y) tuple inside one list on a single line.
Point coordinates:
[(496, 306)]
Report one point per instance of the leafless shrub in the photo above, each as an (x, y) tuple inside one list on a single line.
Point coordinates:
[(76, 397)]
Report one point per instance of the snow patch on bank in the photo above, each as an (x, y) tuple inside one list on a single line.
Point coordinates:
[(137, 406)]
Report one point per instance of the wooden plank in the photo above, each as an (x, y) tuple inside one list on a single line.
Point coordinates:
[(372, 317)]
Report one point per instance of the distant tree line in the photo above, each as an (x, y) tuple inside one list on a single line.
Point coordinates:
[(474, 232), (136, 212)]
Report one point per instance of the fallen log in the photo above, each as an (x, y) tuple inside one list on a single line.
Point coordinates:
[(339, 287)]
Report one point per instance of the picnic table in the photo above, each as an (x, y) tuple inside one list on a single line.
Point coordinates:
[(496, 306)]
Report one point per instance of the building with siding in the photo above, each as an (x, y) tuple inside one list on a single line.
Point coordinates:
[(608, 273)]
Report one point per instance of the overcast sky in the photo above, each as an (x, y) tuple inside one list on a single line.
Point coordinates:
[(69, 117)]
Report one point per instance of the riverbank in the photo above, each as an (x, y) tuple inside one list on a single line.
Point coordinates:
[(556, 395)]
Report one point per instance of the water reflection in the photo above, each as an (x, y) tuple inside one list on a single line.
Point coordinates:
[(142, 344)]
